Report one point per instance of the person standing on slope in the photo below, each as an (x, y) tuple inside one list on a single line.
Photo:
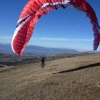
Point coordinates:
[(43, 61)]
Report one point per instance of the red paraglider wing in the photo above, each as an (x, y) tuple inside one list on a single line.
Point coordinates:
[(91, 14), (34, 9), (25, 27)]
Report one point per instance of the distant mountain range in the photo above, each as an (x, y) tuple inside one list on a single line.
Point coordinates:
[(37, 50)]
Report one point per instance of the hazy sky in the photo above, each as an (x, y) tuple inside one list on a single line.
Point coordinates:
[(64, 28)]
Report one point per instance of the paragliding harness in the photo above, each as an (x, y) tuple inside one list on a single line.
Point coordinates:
[(43, 61)]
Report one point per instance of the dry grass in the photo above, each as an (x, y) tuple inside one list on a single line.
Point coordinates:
[(73, 78)]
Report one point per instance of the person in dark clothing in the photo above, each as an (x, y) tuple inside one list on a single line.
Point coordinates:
[(43, 61)]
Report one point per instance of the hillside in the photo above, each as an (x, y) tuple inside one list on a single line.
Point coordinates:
[(37, 50), (71, 78), (10, 60)]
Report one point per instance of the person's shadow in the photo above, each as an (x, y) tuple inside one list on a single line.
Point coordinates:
[(79, 68)]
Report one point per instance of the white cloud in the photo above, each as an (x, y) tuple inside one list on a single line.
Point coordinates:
[(55, 39), (63, 39)]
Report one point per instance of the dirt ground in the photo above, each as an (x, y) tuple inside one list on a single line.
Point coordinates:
[(75, 78)]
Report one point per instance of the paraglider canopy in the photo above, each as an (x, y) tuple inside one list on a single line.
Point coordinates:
[(34, 9)]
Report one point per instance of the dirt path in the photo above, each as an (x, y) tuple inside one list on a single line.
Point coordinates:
[(76, 78)]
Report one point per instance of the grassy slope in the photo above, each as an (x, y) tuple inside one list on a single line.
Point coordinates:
[(73, 78)]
